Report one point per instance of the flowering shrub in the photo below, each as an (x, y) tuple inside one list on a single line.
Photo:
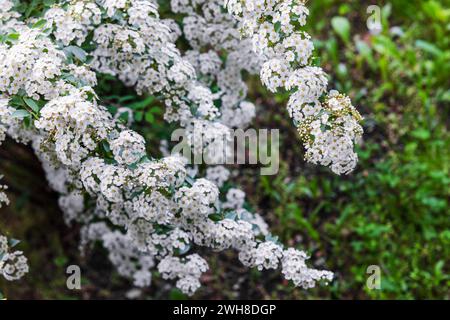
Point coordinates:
[(152, 214)]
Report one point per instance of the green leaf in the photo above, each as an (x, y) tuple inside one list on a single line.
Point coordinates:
[(32, 104), (341, 26), (277, 26), (429, 47), (13, 36), (79, 53), (156, 110), (20, 114), (272, 238), (421, 134), (138, 116), (386, 46), (215, 217), (106, 146), (39, 24), (126, 98), (176, 294), (363, 48), (231, 215), (185, 249), (13, 242), (149, 117), (439, 266), (142, 104)]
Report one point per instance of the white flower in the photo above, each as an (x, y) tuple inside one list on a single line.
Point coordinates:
[(188, 271), (3, 197), (295, 269), (266, 255), (235, 199), (218, 174), (3, 244), (128, 148), (13, 266)]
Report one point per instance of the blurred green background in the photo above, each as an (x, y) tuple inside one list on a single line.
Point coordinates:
[(393, 211)]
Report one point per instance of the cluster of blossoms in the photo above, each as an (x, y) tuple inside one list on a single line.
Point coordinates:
[(7, 14), (328, 123), (13, 264), (150, 213), (74, 23), (187, 270), (134, 44), (3, 197), (218, 174), (210, 30)]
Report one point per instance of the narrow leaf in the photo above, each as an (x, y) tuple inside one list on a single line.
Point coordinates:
[(20, 114), (32, 104), (39, 24), (341, 26)]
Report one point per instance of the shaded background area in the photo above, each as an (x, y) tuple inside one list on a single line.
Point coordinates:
[(393, 211)]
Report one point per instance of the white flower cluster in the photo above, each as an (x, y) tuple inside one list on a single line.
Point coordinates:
[(128, 147), (138, 47), (218, 174), (142, 210), (209, 31), (13, 264), (75, 23), (211, 140), (3, 114), (3, 197), (295, 269), (74, 124), (127, 258), (187, 270), (265, 256), (268, 255), (328, 124), (235, 199), (6, 13), (29, 68), (196, 202), (5, 119)]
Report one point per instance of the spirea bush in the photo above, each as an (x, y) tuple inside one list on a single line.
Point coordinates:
[(155, 214)]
